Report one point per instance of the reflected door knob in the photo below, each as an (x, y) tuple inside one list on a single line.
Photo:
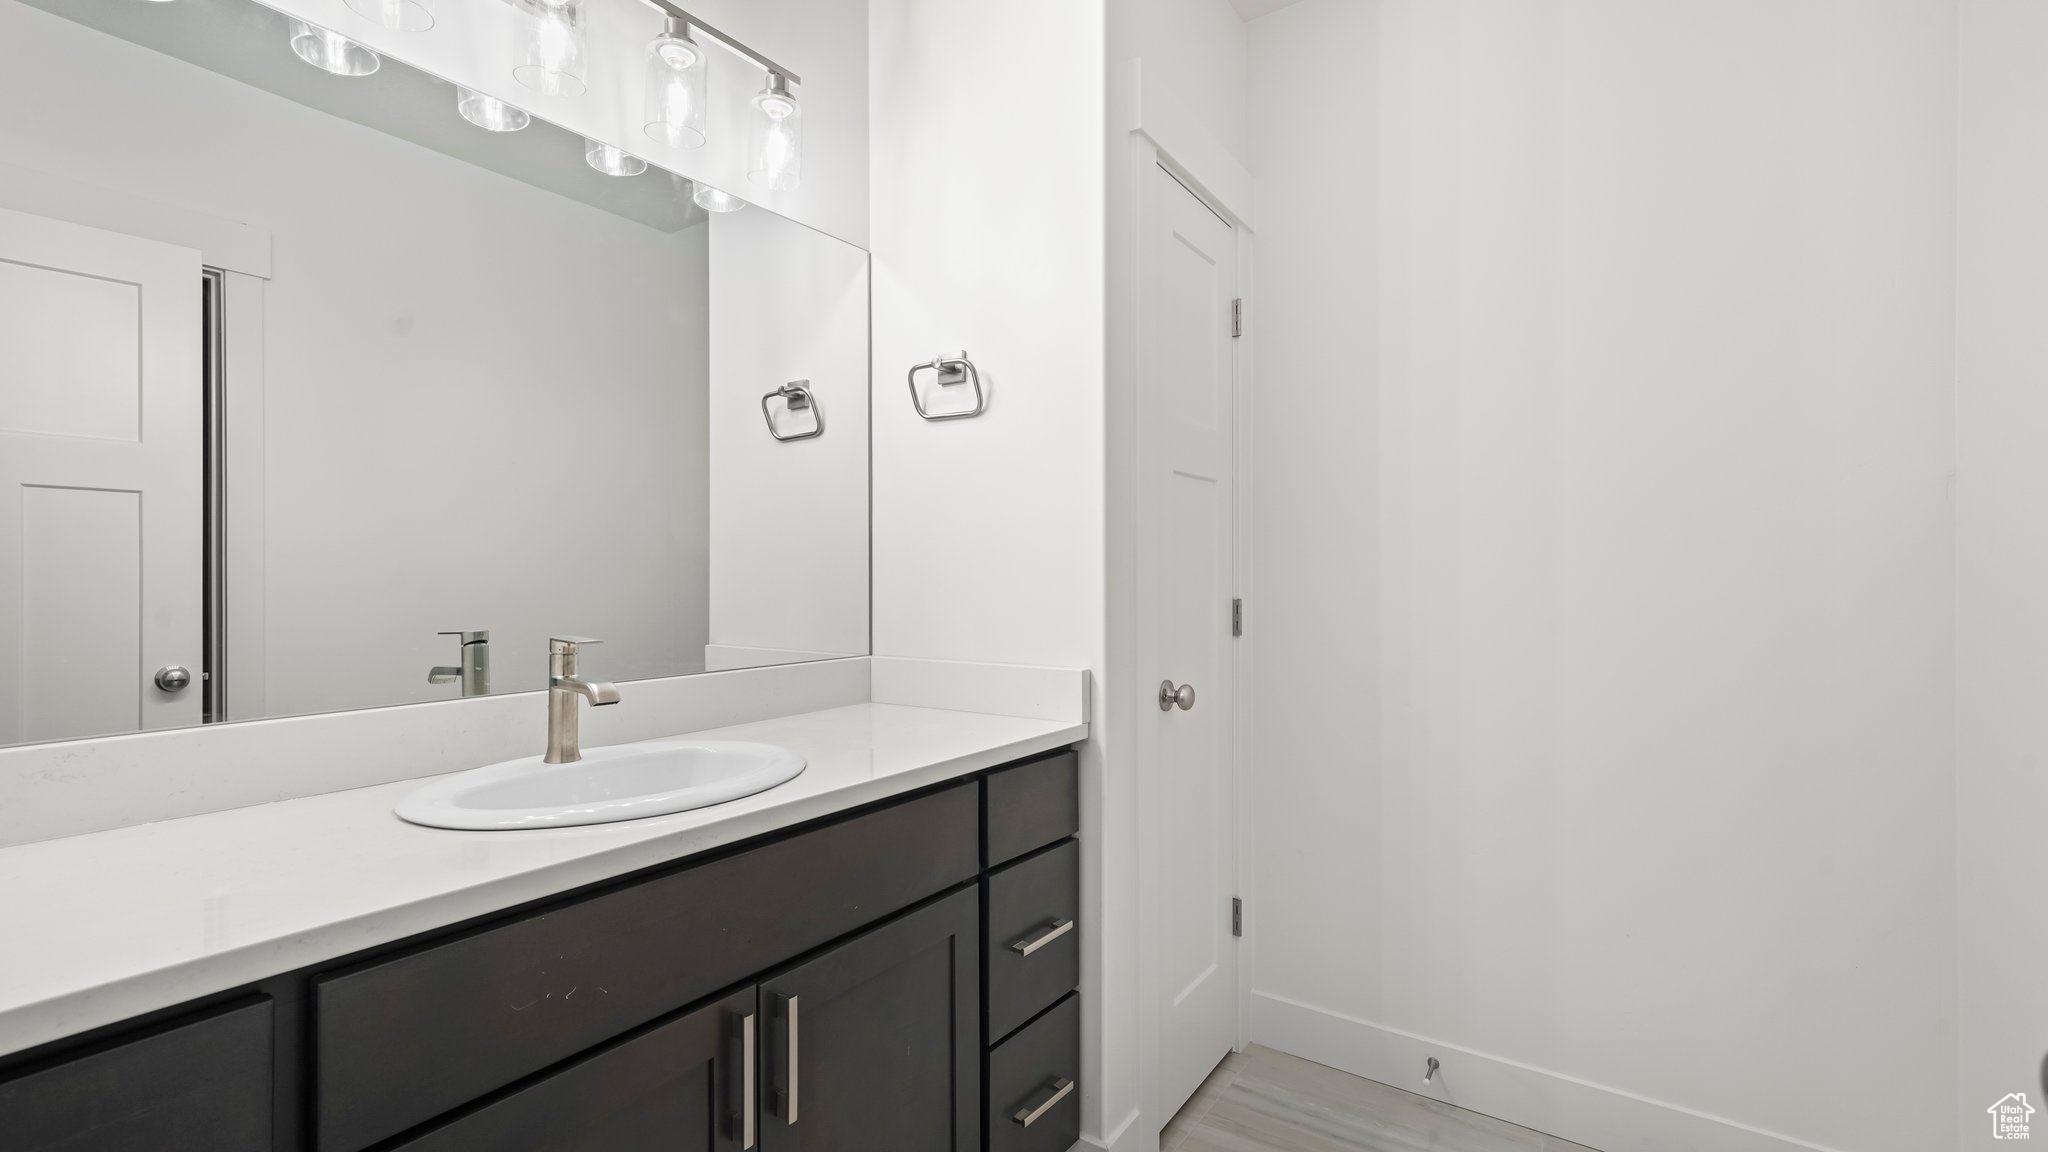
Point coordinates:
[(173, 677), (1169, 696)]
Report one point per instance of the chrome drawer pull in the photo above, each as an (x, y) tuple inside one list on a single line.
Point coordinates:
[(790, 1009), (1060, 1088), (747, 1094), (1053, 931)]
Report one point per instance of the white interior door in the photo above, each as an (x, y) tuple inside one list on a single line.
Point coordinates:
[(1187, 282), (101, 457)]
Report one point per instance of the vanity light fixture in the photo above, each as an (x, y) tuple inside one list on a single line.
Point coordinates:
[(675, 97), (611, 161), (776, 154), (488, 112), (331, 52), (714, 200), (403, 15), (674, 103), (554, 60)]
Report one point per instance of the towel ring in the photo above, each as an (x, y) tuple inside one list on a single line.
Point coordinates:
[(796, 397), (949, 370)]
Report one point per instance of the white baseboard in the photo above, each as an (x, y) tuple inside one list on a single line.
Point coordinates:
[(1122, 1138), (1591, 1114)]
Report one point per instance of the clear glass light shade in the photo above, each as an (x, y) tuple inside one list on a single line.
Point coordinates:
[(674, 105), (555, 60), (490, 113), (330, 52), (712, 200), (776, 153), (612, 161), (404, 15)]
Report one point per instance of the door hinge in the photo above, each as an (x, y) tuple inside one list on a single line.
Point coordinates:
[(1237, 617), (1237, 317), (1236, 916)]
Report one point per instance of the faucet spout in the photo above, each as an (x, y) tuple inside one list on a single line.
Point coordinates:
[(598, 692)]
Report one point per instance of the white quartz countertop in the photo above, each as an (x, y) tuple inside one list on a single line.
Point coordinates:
[(109, 925)]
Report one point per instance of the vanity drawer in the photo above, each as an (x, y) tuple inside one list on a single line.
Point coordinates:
[(402, 1040), (1032, 805), (1034, 941), (200, 1085), (1034, 1077)]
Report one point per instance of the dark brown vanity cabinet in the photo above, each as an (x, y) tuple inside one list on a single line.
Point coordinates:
[(409, 1035), (900, 977)]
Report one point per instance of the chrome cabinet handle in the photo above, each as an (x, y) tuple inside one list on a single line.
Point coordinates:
[(747, 1094), (1059, 1089), (1169, 696), (789, 1108), (173, 678), (1053, 931)]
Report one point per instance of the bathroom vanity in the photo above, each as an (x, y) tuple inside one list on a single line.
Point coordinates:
[(900, 976), (356, 375)]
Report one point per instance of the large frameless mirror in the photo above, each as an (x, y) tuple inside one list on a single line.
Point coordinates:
[(327, 384)]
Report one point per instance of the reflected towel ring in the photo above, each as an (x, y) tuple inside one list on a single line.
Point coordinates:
[(796, 397), (949, 370)]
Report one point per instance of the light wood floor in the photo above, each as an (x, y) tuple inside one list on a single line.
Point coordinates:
[(1266, 1101)]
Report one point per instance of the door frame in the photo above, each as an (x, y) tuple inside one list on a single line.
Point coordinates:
[(1165, 131)]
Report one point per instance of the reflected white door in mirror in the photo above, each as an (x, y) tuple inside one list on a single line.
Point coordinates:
[(100, 466)]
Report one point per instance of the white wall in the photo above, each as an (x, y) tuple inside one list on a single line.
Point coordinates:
[(2001, 557), (987, 235), (418, 477), (476, 42), (1604, 592), (789, 520)]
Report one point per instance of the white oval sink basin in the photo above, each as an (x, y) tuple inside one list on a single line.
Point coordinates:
[(622, 782)]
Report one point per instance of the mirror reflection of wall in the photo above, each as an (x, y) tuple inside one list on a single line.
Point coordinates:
[(789, 520), (456, 393)]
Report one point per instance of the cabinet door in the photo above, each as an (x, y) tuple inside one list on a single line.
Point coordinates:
[(874, 1044), (680, 1086)]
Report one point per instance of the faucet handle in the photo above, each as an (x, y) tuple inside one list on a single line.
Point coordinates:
[(558, 645), (482, 636)]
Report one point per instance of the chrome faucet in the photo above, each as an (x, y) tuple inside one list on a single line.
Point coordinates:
[(563, 690), (475, 670)]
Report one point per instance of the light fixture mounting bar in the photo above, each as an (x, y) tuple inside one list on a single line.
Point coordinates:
[(760, 61)]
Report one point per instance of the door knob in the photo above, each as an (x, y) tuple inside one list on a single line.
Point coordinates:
[(173, 678), (1169, 696)]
